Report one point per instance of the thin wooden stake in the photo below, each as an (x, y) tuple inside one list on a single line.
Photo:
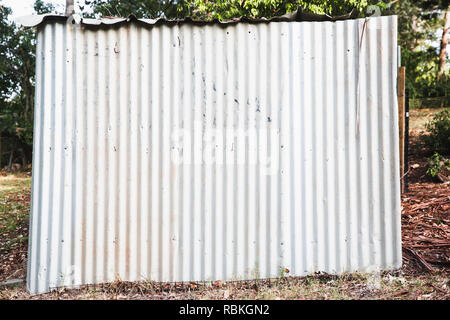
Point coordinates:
[(401, 122)]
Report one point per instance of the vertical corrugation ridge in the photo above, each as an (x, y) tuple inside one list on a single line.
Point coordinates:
[(266, 199), (257, 210), (159, 107), (143, 156), (212, 263), (74, 268), (189, 146), (346, 126), (148, 193), (202, 183), (314, 148), (174, 170), (384, 154), (329, 156), (239, 151), (84, 153), (136, 152), (336, 211), (261, 222), (96, 253), (51, 175), (277, 153), (128, 146), (395, 165), (40, 249), (183, 154), (62, 158), (166, 182), (233, 109), (103, 180), (179, 127), (115, 148), (359, 137), (368, 227), (121, 124), (327, 128), (221, 121), (372, 165), (392, 149), (289, 177), (306, 198), (36, 177), (285, 203), (150, 151), (396, 177), (246, 228), (90, 167)]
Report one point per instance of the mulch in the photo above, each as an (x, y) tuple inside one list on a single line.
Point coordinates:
[(425, 228), (425, 215)]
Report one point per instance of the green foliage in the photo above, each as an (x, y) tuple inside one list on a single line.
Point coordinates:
[(226, 9), (439, 129), (42, 7), (420, 27), (141, 9), (436, 164), (222, 9), (17, 69), (333, 7), (6, 35)]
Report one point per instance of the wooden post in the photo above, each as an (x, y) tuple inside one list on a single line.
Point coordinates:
[(401, 122)]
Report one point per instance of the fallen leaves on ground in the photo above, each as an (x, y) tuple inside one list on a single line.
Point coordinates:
[(425, 228)]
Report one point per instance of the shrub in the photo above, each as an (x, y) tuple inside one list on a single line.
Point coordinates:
[(436, 163), (439, 129)]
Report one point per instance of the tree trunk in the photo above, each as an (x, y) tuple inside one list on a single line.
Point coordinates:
[(11, 156), (69, 8), (443, 54), (415, 29), (24, 158)]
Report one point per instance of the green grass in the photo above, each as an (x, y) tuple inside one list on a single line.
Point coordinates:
[(14, 211), (350, 286), (418, 118)]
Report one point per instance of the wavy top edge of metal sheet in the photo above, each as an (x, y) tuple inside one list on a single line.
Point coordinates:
[(296, 16)]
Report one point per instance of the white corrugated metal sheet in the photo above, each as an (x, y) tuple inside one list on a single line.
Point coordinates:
[(190, 153)]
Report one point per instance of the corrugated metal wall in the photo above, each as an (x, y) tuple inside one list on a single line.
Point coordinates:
[(188, 153)]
